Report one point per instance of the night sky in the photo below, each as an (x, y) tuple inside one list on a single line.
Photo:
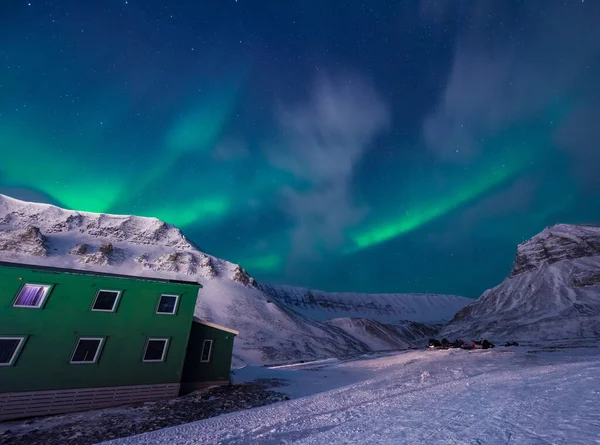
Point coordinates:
[(378, 146)]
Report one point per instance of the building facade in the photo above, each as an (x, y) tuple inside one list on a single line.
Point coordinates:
[(72, 340), (208, 358)]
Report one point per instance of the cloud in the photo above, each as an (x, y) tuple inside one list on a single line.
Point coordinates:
[(322, 141), (230, 149), (579, 136), (509, 65)]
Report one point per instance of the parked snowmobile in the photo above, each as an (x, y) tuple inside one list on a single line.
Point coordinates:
[(511, 343), (434, 343), (457, 344), (487, 344), (482, 344)]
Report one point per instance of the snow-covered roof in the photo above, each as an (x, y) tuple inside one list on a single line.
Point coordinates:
[(216, 326)]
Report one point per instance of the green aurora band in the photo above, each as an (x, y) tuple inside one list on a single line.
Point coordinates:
[(508, 163)]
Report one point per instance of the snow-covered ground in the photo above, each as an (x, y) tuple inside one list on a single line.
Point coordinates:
[(524, 395)]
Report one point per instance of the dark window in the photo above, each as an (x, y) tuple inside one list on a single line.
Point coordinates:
[(155, 350), (206, 351), (32, 295), (167, 304), (87, 350), (9, 347), (106, 300)]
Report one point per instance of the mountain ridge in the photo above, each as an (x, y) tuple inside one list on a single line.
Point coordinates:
[(270, 330), (552, 292)]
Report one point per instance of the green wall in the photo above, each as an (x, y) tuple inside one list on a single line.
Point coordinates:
[(53, 330), (219, 367)]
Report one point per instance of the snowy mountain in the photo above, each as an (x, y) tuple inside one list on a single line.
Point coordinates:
[(270, 330), (385, 308), (553, 291), (383, 336)]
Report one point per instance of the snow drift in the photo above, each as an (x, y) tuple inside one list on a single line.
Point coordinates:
[(552, 293), (270, 330)]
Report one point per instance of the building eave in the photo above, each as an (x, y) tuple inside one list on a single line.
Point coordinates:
[(216, 326)]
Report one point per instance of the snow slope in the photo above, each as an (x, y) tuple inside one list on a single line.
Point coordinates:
[(383, 336), (553, 291), (386, 308), (270, 331), (503, 396)]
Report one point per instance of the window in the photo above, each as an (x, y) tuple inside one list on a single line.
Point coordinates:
[(167, 304), (9, 349), (87, 350), (106, 300), (32, 295), (206, 351), (156, 349)]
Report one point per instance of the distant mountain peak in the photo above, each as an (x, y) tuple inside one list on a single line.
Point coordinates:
[(553, 291), (557, 243)]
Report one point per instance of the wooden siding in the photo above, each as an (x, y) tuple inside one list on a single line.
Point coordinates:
[(16, 405)]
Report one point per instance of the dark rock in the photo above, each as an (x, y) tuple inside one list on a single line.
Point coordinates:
[(243, 277), (107, 249), (79, 249), (556, 244), (30, 241)]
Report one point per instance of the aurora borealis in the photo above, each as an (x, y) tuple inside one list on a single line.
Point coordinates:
[(352, 146)]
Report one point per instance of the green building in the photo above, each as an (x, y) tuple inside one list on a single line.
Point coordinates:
[(72, 340), (208, 359)]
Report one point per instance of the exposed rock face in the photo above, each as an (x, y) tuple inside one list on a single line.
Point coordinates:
[(107, 254), (243, 277), (79, 249), (384, 336), (28, 241), (181, 262), (553, 291), (557, 243)]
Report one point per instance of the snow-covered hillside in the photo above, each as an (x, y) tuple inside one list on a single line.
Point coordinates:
[(532, 396), (384, 336), (553, 291), (385, 308), (270, 331)]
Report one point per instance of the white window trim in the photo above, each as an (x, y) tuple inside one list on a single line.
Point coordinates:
[(96, 356), (174, 308), (42, 301), (114, 308), (15, 355), (164, 353), (209, 351)]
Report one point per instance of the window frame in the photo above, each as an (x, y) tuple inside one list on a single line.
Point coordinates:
[(48, 287), (174, 308), (115, 304), (18, 349), (210, 350), (163, 358), (96, 356)]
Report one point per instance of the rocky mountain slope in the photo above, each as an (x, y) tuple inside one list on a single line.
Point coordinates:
[(385, 308), (384, 336), (270, 330), (553, 291)]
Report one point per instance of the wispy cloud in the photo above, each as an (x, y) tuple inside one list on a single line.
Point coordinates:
[(323, 139), (495, 83)]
